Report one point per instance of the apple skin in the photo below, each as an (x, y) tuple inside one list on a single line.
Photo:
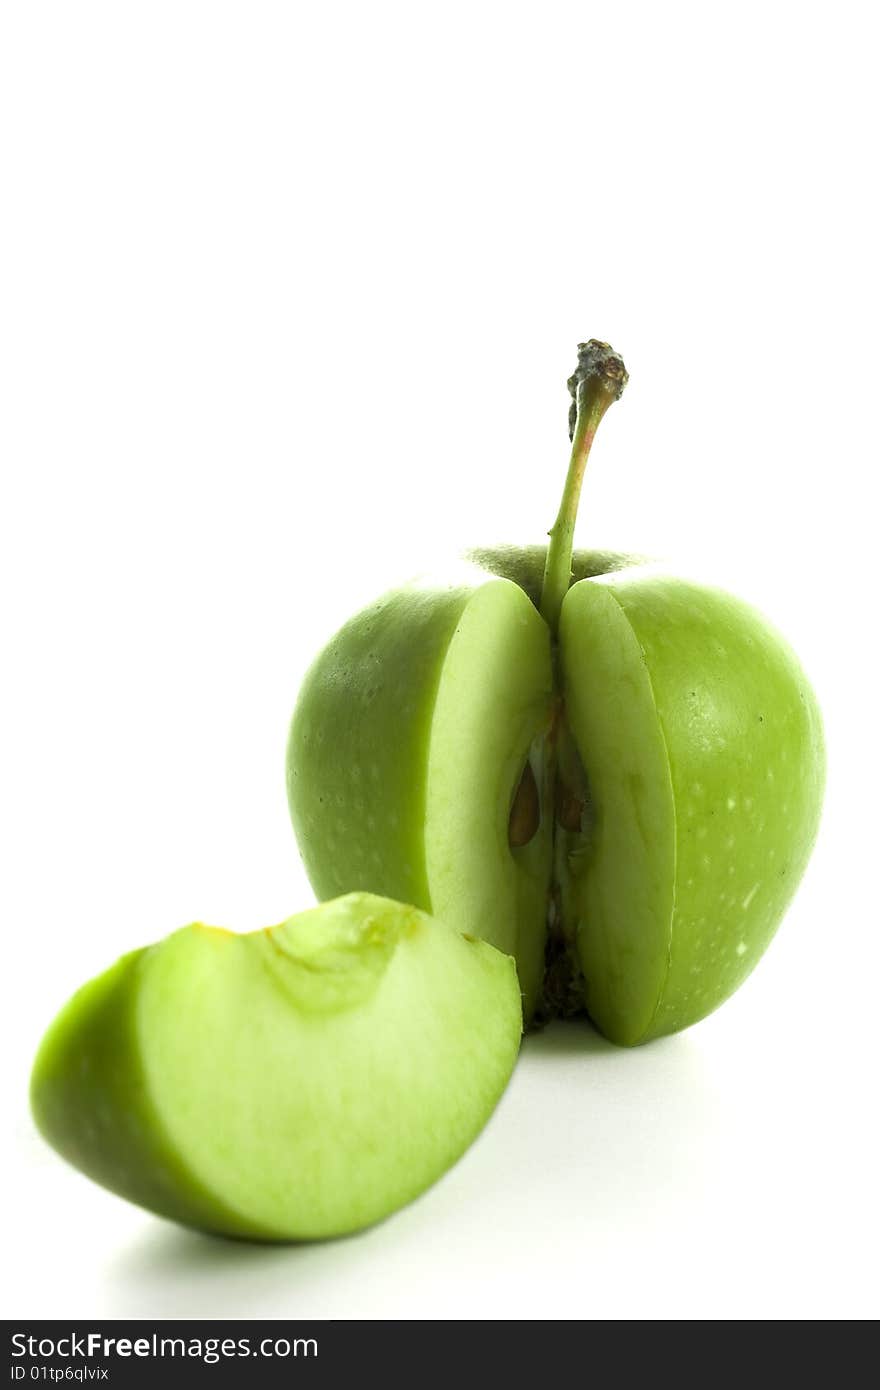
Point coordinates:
[(289, 1084), (357, 758), (698, 745)]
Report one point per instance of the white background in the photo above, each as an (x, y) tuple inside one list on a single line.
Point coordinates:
[(290, 294)]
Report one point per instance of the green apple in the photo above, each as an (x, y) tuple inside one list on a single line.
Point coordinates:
[(613, 774), (292, 1083)]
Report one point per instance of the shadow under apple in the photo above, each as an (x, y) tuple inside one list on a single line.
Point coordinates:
[(578, 1152)]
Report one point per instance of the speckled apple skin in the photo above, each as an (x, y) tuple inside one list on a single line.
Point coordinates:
[(92, 1103), (357, 759), (744, 741)]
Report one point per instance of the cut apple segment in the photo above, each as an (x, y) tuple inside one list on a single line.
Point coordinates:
[(293, 1083), (703, 749), (406, 750)]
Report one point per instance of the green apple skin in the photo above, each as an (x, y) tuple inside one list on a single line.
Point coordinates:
[(289, 1084), (683, 718)]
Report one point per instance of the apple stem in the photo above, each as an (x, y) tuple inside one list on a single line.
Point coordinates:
[(598, 380)]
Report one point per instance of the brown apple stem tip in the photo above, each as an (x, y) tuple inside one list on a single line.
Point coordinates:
[(599, 379)]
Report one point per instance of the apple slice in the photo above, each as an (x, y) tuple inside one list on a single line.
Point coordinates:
[(702, 746), (409, 744), (293, 1083)]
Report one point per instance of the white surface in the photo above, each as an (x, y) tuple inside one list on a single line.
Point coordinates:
[(290, 295)]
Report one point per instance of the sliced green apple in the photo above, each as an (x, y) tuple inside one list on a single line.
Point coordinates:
[(293, 1083), (614, 775)]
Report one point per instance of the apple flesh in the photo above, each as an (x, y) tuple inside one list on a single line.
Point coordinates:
[(293, 1083)]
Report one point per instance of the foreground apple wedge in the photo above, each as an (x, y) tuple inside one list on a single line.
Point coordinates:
[(294, 1083), (413, 732)]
